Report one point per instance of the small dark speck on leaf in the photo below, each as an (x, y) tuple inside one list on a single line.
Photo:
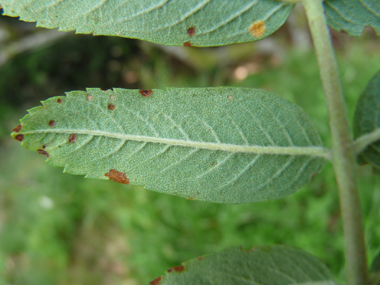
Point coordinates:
[(59, 100), (19, 137), (41, 151), (111, 107), (146, 93), (191, 31), (179, 268), (187, 44), (156, 281), (199, 257), (51, 123), (72, 138), (117, 176), (44, 146), (17, 129)]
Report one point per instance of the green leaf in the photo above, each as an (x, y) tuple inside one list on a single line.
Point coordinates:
[(366, 120), (176, 22), (352, 16), (228, 145), (261, 265)]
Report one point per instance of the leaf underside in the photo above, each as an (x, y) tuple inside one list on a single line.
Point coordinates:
[(227, 145), (176, 22), (352, 16), (367, 120), (262, 265)]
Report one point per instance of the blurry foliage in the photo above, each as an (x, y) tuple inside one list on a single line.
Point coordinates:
[(61, 229)]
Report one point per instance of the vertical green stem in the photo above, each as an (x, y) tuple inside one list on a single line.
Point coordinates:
[(342, 146)]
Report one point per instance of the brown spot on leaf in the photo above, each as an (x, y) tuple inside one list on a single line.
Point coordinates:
[(117, 176), (257, 29), (191, 31), (190, 198), (17, 129), (178, 268), (41, 151), (112, 97), (146, 93), (249, 250), (156, 281), (111, 107), (187, 44), (44, 146), (72, 138), (51, 123), (59, 101), (19, 137), (199, 257), (89, 97), (229, 97)]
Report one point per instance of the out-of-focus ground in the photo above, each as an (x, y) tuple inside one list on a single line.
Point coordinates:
[(58, 228)]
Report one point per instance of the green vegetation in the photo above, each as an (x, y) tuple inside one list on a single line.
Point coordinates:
[(285, 140), (100, 231)]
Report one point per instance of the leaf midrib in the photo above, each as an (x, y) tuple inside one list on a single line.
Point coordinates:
[(284, 150)]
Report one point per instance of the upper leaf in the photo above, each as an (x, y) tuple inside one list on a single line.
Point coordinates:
[(366, 120), (176, 22), (352, 16), (230, 145), (262, 265)]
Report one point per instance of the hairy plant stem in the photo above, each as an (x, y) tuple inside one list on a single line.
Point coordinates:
[(343, 156)]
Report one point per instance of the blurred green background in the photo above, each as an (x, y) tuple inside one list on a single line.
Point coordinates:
[(62, 229)]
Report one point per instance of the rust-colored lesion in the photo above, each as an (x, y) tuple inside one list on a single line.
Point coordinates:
[(117, 176), (17, 129), (19, 137), (257, 29), (187, 44), (111, 107), (156, 281), (178, 268), (146, 93), (44, 152), (191, 31), (72, 138), (51, 123), (59, 101)]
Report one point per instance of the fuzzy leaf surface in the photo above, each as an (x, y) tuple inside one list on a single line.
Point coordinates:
[(227, 145), (262, 265), (366, 120), (352, 16), (176, 22)]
